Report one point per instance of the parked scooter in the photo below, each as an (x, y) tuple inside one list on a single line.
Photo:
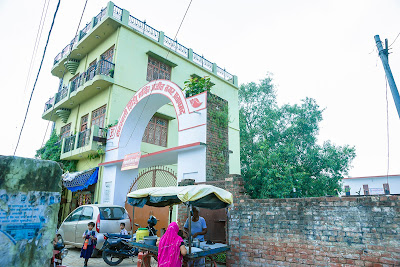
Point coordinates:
[(116, 247), (59, 253)]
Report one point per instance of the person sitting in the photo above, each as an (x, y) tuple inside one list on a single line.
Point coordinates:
[(171, 248), (123, 230)]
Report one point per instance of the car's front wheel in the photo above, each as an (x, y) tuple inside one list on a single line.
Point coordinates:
[(110, 258)]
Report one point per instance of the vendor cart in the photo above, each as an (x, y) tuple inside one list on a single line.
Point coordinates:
[(202, 196)]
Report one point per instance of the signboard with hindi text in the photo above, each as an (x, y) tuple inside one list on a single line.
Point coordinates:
[(131, 161), (376, 191)]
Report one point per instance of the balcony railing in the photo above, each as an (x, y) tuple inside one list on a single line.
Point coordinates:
[(85, 30), (117, 13), (49, 104), (83, 138), (61, 94), (100, 16), (69, 143), (143, 28), (102, 67)]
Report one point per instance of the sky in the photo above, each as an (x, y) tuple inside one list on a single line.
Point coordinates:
[(319, 49)]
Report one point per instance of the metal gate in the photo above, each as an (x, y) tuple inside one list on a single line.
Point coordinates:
[(157, 176)]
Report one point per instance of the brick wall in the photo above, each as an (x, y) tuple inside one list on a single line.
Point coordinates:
[(217, 157), (325, 231)]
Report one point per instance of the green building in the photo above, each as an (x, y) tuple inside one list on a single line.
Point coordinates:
[(113, 56)]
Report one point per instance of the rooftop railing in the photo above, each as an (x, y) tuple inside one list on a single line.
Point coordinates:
[(100, 16), (117, 13), (143, 28), (85, 30), (175, 46)]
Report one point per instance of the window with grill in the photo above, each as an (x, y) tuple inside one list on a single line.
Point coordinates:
[(65, 131), (98, 116), (108, 55), (156, 132), (157, 70), (84, 122)]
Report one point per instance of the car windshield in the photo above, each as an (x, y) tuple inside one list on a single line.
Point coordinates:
[(112, 213)]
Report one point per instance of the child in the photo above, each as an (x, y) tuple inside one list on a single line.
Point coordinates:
[(123, 230), (90, 240)]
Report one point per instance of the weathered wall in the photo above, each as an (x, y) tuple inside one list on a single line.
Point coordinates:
[(29, 203), (217, 161), (325, 231)]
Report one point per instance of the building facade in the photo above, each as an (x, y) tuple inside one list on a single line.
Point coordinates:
[(372, 185), (102, 68)]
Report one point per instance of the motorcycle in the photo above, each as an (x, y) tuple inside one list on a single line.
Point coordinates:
[(59, 253), (116, 247)]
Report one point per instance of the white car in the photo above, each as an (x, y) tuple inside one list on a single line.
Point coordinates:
[(107, 219)]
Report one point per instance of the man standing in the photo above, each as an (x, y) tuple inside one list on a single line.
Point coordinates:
[(199, 227)]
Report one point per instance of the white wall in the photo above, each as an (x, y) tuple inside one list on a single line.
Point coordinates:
[(357, 183)]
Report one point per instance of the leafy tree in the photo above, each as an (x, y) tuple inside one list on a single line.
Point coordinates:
[(280, 156), (52, 151)]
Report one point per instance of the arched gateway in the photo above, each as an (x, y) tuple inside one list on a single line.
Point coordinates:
[(126, 137)]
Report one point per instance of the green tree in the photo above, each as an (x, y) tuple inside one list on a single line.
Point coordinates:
[(52, 151), (280, 156)]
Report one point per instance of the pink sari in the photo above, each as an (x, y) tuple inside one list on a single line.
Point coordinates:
[(169, 253)]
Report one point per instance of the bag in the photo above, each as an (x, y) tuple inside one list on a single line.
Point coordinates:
[(85, 244)]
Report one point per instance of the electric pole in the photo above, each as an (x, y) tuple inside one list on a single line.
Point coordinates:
[(383, 54)]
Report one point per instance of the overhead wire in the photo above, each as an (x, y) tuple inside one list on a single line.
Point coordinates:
[(147, 99), (37, 40), (37, 75), (394, 40)]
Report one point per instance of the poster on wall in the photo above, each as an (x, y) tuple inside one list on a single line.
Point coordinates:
[(22, 215), (131, 161), (107, 192)]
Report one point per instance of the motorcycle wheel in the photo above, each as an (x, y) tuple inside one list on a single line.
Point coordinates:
[(110, 259)]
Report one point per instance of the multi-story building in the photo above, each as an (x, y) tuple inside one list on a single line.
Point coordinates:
[(113, 56)]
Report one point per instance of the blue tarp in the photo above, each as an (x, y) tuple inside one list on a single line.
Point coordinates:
[(81, 180)]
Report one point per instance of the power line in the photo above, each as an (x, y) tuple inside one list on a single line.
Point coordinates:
[(37, 76), (37, 41), (394, 40), (68, 56), (147, 99)]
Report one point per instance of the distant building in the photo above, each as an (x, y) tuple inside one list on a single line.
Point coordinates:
[(372, 185)]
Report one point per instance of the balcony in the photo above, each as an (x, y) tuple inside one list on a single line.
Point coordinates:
[(82, 88), (94, 32), (82, 144)]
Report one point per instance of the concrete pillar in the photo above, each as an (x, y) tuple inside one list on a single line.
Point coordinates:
[(110, 9), (161, 38), (125, 17), (190, 55)]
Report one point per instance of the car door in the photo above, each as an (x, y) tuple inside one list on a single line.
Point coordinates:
[(82, 225), (69, 225)]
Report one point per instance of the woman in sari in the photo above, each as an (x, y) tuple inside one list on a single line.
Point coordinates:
[(171, 248)]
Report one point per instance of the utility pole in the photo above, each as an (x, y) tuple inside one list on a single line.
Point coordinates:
[(383, 54)]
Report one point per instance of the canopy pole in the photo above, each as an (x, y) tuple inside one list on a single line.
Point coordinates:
[(170, 213), (190, 227)]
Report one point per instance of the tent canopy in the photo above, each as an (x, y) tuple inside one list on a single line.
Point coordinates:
[(202, 196)]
